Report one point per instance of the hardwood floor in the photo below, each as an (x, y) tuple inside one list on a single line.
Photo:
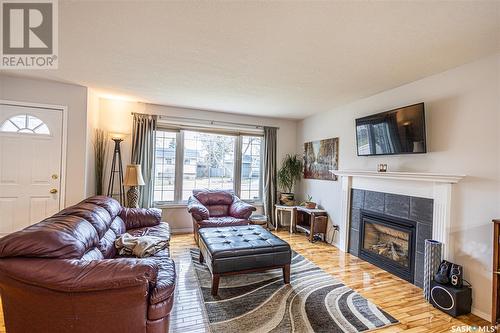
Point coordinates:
[(401, 299)]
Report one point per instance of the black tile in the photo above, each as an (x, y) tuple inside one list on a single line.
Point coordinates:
[(353, 242), (421, 209), (358, 197), (397, 205), (374, 201), (419, 266), (355, 218), (424, 231)]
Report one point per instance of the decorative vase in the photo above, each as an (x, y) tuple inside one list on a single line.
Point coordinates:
[(432, 259)]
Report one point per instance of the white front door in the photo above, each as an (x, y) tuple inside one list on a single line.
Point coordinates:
[(30, 165)]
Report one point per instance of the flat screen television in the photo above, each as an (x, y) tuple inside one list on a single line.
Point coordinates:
[(398, 131)]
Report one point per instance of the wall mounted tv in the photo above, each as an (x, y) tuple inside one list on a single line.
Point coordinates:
[(398, 131)]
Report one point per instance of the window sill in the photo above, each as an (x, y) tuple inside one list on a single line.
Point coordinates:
[(175, 205), (170, 205)]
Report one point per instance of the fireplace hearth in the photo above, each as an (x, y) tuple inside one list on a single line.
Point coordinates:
[(388, 242)]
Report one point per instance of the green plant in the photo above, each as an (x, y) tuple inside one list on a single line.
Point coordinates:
[(290, 172), (100, 148), (309, 199)]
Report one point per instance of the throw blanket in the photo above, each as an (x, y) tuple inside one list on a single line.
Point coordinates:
[(141, 246)]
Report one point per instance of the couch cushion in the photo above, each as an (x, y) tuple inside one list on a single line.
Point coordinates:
[(140, 217), (165, 280), (160, 230), (218, 210), (70, 233), (214, 197), (55, 237), (111, 205), (222, 221)]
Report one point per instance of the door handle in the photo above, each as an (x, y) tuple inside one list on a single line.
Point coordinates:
[(53, 191)]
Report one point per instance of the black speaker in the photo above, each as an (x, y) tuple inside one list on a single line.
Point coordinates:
[(453, 301)]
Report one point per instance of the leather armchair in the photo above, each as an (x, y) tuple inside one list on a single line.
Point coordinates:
[(217, 208), (63, 274)]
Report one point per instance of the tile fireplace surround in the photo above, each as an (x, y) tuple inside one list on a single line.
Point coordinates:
[(419, 210), (422, 197)]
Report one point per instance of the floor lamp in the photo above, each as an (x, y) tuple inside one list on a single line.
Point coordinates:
[(117, 173)]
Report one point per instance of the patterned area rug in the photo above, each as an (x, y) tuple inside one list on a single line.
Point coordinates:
[(314, 301)]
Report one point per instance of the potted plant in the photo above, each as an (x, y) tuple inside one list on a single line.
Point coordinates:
[(100, 149), (290, 171), (309, 203)]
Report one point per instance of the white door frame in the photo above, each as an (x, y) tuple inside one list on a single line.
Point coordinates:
[(64, 139)]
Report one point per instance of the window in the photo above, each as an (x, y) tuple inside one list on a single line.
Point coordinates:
[(251, 183), (164, 176), (25, 123), (208, 162), (188, 160)]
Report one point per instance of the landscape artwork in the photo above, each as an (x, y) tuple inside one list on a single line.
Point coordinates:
[(320, 157)]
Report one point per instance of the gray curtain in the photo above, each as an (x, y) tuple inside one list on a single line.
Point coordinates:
[(270, 188), (143, 150)]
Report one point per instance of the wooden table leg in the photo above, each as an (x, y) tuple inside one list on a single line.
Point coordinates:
[(201, 257), (215, 284), (275, 218), (286, 273), (311, 233)]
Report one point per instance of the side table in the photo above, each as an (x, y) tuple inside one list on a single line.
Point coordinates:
[(259, 219), (281, 209), (316, 223)]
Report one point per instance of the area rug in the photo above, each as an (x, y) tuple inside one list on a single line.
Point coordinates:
[(314, 301)]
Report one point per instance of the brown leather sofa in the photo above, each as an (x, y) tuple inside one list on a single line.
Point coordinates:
[(217, 208), (63, 274)]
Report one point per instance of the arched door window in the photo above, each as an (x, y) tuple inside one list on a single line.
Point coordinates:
[(25, 123)]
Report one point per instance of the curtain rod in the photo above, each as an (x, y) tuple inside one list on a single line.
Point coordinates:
[(210, 122)]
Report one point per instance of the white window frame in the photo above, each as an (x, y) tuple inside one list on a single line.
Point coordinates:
[(179, 166)]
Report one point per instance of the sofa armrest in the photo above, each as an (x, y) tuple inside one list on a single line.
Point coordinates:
[(197, 210), (241, 209), (140, 217), (72, 275), (165, 281)]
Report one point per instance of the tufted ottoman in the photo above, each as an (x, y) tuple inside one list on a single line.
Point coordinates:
[(242, 249)]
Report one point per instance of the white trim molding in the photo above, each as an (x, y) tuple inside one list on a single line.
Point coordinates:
[(428, 185), (413, 176)]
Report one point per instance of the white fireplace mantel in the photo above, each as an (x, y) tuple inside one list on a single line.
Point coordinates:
[(413, 176), (435, 186)]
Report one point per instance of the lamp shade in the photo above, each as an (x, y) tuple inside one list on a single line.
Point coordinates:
[(133, 175)]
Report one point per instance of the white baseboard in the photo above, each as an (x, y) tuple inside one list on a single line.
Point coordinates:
[(182, 231), (481, 314)]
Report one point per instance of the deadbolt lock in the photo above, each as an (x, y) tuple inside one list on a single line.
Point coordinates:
[(54, 176)]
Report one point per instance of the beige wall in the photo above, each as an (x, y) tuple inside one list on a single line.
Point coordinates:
[(115, 116), (75, 99), (463, 110), (92, 125)]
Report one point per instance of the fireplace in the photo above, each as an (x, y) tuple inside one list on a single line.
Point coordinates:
[(388, 242)]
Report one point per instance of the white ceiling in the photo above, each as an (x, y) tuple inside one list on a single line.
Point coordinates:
[(280, 59)]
